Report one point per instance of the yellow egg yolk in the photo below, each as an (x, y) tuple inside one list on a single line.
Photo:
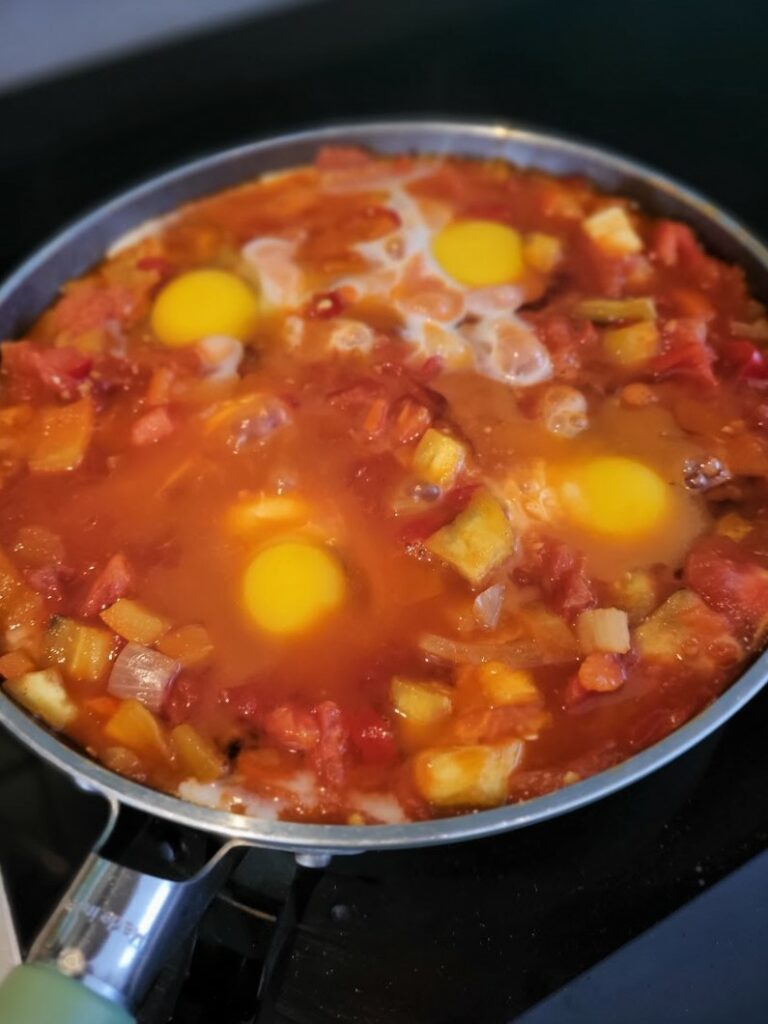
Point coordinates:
[(291, 585), (479, 253), (201, 303), (615, 496)]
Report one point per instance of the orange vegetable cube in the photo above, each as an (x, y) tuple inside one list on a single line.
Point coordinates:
[(503, 685), (188, 645), (135, 727), (132, 621), (196, 755), (466, 776), (62, 437), (477, 540), (14, 664)]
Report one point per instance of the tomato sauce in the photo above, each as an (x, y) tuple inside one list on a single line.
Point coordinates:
[(383, 489)]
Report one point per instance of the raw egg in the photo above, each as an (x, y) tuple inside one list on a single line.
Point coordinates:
[(615, 496), (479, 253), (291, 585), (201, 303)]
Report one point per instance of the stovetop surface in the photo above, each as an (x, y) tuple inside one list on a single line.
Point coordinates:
[(482, 931)]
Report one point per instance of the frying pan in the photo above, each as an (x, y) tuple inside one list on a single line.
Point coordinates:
[(114, 927)]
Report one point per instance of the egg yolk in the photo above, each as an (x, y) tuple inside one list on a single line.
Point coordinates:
[(616, 496), (479, 253), (291, 585), (203, 302)]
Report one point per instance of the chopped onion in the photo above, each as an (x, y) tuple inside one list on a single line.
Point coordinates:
[(220, 356), (487, 606), (143, 674), (521, 653)]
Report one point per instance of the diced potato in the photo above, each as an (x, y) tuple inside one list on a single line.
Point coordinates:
[(421, 703), (685, 630), (44, 695), (132, 621), (62, 437), (635, 592), (438, 458), (502, 685), (542, 252), (628, 346), (733, 525), (262, 510), (195, 754), (603, 629), (88, 655), (478, 539), (189, 645), (15, 663), (611, 230), (135, 727), (82, 651), (463, 776), (610, 311)]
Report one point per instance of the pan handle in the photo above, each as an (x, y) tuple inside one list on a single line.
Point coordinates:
[(37, 994), (102, 947)]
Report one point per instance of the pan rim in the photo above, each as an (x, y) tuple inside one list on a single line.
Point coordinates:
[(322, 838)]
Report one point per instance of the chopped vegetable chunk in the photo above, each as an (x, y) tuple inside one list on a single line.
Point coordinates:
[(478, 540), (44, 695)]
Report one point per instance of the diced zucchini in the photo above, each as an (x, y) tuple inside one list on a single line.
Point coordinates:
[(438, 458), (189, 645), (44, 695), (466, 776), (685, 630), (197, 757), (420, 703), (635, 592), (503, 686), (611, 230), (628, 346), (62, 437), (603, 629), (82, 651), (542, 252), (611, 311), (135, 727), (135, 623), (478, 539), (734, 526)]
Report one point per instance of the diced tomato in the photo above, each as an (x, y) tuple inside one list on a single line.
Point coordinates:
[(723, 574), (324, 306), (371, 736), (152, 427), (567, 339), (674, 245), (431, 368), (361, 393), (376, 417), (88, 304), (574, 692), (291, 726), (747, 359), (601, 673), (561, 572), (686, 353), (60, 370), (46, 580), (115, 580), (156, 264), (328, 755), (245, 701), (184, 699), (410, 421)]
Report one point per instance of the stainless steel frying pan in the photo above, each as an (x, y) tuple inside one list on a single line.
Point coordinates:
[(98, 953)]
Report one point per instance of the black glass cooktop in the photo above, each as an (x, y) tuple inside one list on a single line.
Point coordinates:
[(481, 932)]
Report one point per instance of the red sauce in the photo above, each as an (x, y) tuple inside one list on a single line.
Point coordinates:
[(135, 476)]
